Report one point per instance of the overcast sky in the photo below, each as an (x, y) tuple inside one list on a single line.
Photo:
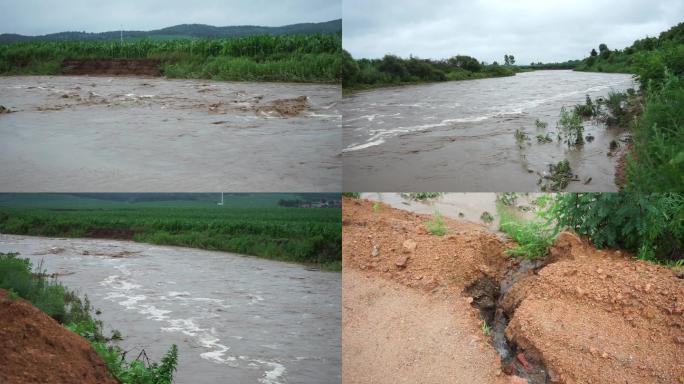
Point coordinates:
[(38, 17), (531, 30)]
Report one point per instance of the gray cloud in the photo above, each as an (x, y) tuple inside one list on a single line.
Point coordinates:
[(532, 30), (37, 17)]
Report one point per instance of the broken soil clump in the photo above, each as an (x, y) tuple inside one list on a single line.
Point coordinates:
[(580, 315), (137, 67), (597, 316), (37, 349), (286, 107)]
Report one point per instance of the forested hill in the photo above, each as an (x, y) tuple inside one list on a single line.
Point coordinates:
[(183, 31)]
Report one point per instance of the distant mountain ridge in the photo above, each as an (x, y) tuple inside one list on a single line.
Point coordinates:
[(183, 30)]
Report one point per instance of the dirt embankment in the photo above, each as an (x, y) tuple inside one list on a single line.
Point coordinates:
[(37, 349), (111, 67), (595, 316), (586, 316)]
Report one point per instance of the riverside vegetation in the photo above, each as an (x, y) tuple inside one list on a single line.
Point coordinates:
[(656, 161), (18, 277), (394, 70), (296, 58), (302, 235), (650, 225)]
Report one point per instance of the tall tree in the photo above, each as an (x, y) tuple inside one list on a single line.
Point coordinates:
[(506, 60), (594, 53), (511, 59)]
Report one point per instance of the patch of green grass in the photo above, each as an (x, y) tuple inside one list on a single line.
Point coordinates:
[(541, 124), (376, 207), (560, 176), (352, 195), (533, 236), (507, 198), (486, 329), (486, 217), (543, 139), (436, 225), (421, 195), (521, 137), (570, 125)]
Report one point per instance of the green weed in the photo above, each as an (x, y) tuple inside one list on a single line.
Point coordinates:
[(436, 225)]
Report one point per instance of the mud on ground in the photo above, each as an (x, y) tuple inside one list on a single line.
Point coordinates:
[(37, 349), (588, 315)]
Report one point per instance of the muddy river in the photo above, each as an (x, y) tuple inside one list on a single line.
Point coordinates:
[(468, 207), (459, 136), (110, 134), (235, 319)]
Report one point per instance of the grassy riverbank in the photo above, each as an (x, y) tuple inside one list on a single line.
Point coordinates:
[(302, 235), (292, 58), (19, 278), (656, 160), (395, 71)]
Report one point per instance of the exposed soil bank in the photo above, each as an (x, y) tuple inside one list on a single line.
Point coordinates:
[(587, 316), (136, 67), (37, 349), (128, 134)]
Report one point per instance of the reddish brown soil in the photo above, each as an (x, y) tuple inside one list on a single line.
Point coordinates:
[(454, 261), (600, 317), (394, 334), (145, 67), (111, 233), (591, 316), (37, 349)]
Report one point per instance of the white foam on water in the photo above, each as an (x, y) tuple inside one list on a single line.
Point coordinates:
[(272, 375)]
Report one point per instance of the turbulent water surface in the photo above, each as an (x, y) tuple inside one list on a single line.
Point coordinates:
[(127, 134), (235, 319), (459, 136)]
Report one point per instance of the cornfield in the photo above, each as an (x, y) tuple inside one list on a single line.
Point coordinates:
[(313, 58)]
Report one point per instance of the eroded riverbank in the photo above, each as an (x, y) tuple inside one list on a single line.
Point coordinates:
[(110, 134), (581, 315), (459, 136), (234, 318)]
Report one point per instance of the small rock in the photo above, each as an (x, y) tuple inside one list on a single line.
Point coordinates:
[(647, 287), (679, 339), (517, 380), (604, 355), (409, 245), (580, 291), (469, 300), (376, 251), (401, 262), (521, 358), (593, 350)]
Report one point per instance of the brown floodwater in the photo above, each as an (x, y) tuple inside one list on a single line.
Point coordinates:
[(459, 136), (110, 134), (235, 319)]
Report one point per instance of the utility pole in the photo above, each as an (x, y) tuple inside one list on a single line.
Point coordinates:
[(122, 35)]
